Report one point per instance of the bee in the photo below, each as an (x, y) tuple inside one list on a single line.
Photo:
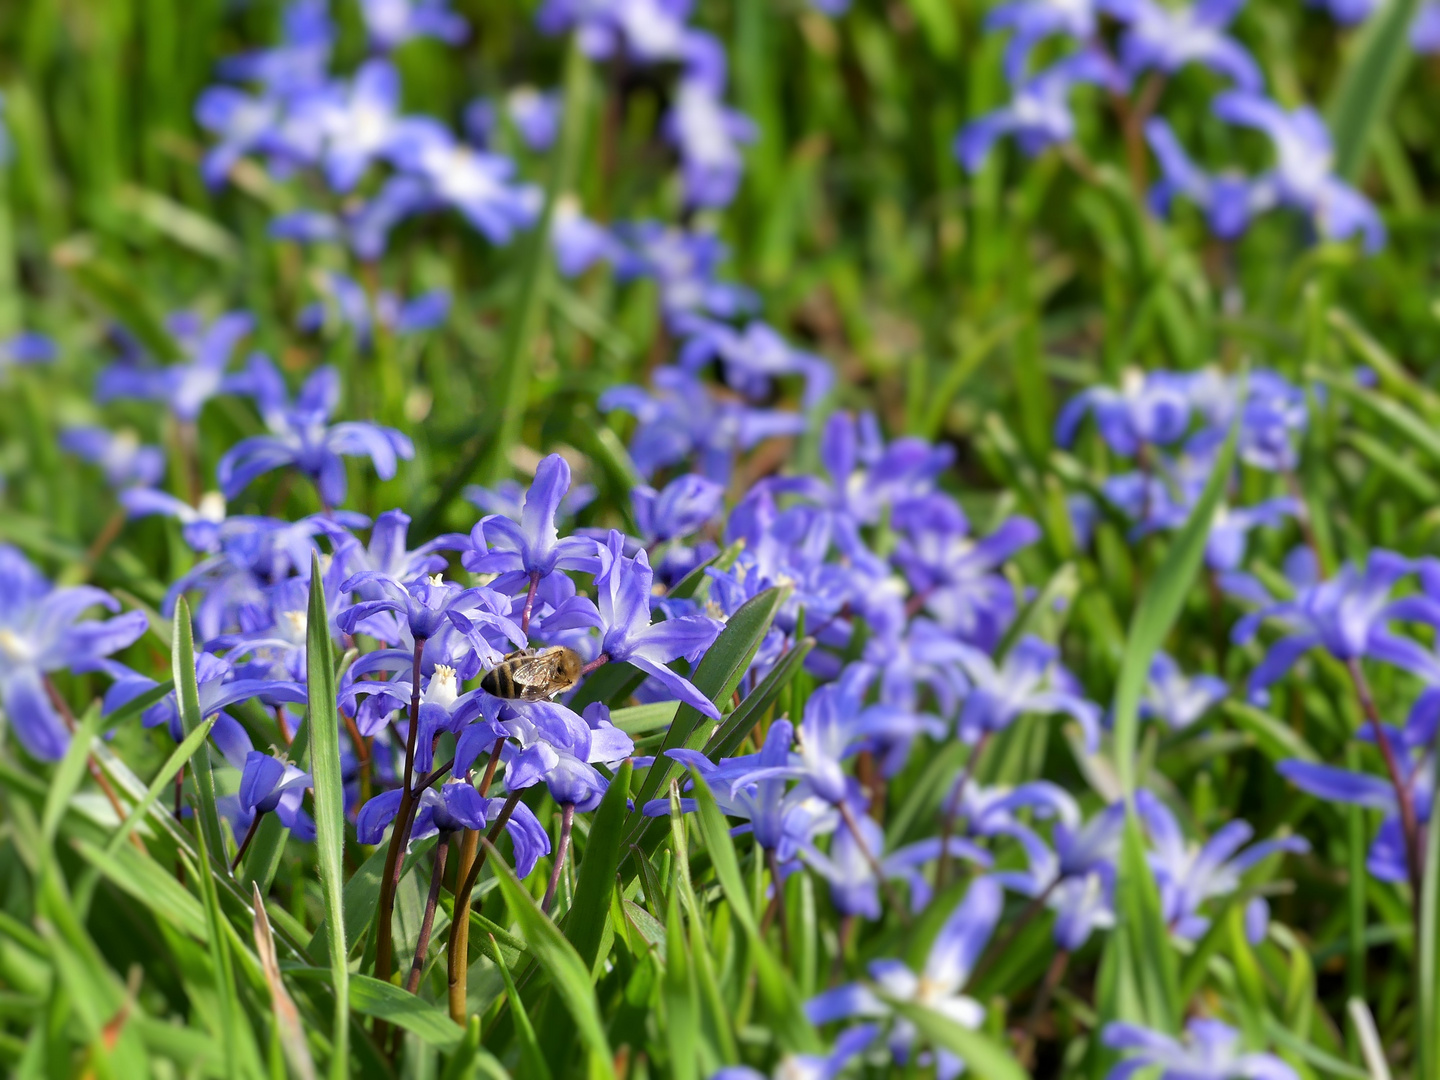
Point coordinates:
[(534, 676)]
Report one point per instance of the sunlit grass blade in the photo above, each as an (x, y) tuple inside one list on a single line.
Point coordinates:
[(229, 1009), (558, 958), (984, 1058), (1372, 74), (531, 1059), (187, 699), (324, 725), (182, 753), (68, 774)]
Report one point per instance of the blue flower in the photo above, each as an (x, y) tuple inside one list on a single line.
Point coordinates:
[(1425, 32), (365, 226), (1346, 12), (810, 1066), (1030, 679), (1034, 20), (388, 311), (954, 576), (526, 832), (947, 968), (301, 60), (687, 504), (578, 242), (25, 348), (477, 184), (682, 419), (1229, 202), (1304, 173), (269, 785), (41, 632), (853, 887), (1345, 615), (218, 689), (1210, 1052), (708, 136), (563, 755), (1177, 699), (1039, 116), (1148, 409), (751, 359), (623, 595), (125, 462), (302, 436), (648, 31), (783, 819), (536, 115), (685, 265), (244, 123), (425, 604), (361, 123), (391, 23), (1188, 874), (532, 548), (1167, 39), (184, 387)]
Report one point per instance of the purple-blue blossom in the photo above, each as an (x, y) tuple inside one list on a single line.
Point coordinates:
[(302, 436), (1166, 39), (185, 387), (124, 460), (41, 632), (1209, 1051)]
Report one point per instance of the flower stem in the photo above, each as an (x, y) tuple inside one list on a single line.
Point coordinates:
[(399, 836), (458, 961), (529, 603), (778, 908), (891, 897), (952, 811), (245, 844), (567, 822), (599, 661), (427, 924), (1409, 823)]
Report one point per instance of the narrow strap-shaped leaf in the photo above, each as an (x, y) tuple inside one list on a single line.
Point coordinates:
[(568, 973), (984, 1058), (777, 989), (219, 948), (586, 920), (717, 675), (173, 764), (531, 1059), (1373, 73), (329, 805), (68, 775), (187, 699)]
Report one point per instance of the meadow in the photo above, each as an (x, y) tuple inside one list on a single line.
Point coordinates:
[(719, 539)]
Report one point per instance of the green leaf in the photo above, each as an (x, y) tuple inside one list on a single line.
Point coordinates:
[(777, 989), (1158, 609), (531, 1059), (287, 1017), (984, 1058), (371, 997), (1427, 968), (586, 920), (680, 997), (1406, 424), (324, 725), (1373, 72), (173, 764), (150, 883), (1141, 920), (1276, 739), (717, 675), (187, 698), (219, 945), (517, 357), (558, 958), (68, 774), (362, 892)]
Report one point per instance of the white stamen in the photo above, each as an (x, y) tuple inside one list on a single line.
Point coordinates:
[(444, 688)]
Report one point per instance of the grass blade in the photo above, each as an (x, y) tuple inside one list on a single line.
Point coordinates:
[(984, 1058), (219, 949), (68, 775), (324, 727), (1373, 73), (182, 753), (187, 700), (558, 958)]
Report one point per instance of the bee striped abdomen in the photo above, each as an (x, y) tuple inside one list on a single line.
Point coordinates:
[(499, 682)]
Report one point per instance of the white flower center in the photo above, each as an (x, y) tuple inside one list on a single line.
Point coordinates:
[(444, 688), (212, 507), (12, 647)]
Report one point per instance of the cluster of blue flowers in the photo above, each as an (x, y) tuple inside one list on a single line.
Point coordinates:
[(911, 608), (1151, 44)]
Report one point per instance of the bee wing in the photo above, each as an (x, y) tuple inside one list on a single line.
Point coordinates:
[(534, 674)]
